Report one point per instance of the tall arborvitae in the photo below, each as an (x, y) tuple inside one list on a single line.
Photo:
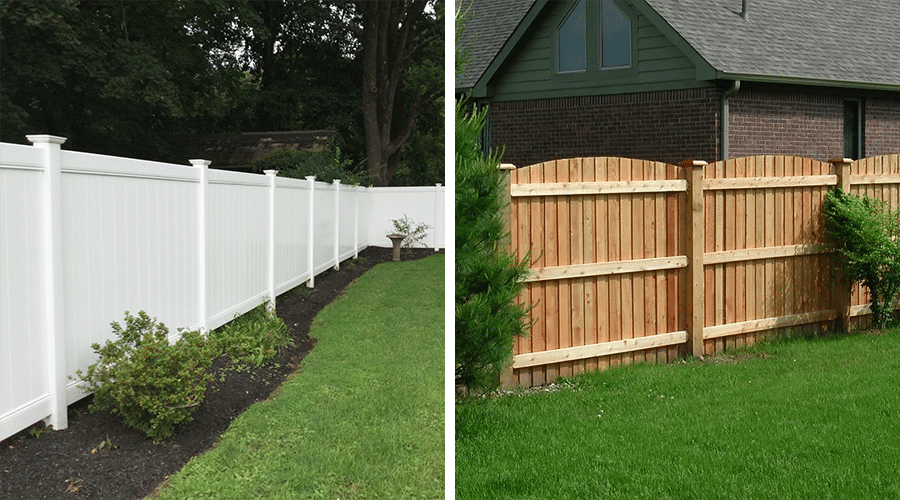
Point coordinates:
[(488, 277)]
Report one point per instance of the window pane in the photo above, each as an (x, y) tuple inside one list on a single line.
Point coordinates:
[(571, 48), (616, 43), (851, 130)]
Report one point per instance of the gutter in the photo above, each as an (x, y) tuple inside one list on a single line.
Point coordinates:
[(724, 119)]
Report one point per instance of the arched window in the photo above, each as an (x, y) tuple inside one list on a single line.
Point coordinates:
[(571, 46)]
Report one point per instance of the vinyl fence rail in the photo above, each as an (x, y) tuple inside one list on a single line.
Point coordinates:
[(643, 261), (86, 237)]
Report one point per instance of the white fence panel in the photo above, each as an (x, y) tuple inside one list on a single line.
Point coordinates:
[(85, 237), (348, 228), (323, 224), (128, 245), (24, 399), (291, 234), (237, 232), (422, 205)]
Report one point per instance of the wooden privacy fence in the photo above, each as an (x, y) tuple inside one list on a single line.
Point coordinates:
[(643, 261)]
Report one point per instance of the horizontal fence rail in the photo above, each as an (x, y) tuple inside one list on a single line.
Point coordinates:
[(85, 237), (642, 261)]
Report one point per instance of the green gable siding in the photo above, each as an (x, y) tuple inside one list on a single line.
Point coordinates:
[(529, 72)]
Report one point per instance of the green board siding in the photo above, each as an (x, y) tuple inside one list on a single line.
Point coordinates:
[(529, 71)]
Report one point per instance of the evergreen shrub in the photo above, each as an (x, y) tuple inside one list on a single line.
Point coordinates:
[(488, 277)]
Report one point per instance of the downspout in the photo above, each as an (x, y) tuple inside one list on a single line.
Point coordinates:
[(724, 115)]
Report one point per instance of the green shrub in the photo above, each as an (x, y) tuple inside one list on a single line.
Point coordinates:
[(325, 165), (253, 337), (488, 277), (866, 232), (151, 383)]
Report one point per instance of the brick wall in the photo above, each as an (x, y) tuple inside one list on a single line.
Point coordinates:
[(882, 119), (772, 122), (672, 126), (668, 126)]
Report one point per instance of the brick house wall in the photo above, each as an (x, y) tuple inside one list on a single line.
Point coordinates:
[(773, 122), (669, 126), (882, 118), (672, 126)]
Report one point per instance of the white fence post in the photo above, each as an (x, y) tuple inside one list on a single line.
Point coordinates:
[(272, 187), (202, 299), (437, 213), (356, 222), (53, 278), (312, 231), (337, 223)]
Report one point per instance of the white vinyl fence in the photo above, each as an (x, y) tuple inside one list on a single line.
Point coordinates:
[(86, 237)]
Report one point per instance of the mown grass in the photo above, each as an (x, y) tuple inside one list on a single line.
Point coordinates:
[(802, 418), (362, 418)]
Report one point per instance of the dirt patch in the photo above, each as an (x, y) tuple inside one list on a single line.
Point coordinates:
[(98, 457)]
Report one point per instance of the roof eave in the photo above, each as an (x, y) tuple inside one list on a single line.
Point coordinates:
[(814, 82)]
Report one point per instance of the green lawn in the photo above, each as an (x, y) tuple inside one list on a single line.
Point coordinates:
[(801, 418), (364, 415)]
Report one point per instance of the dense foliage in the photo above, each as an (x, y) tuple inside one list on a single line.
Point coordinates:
[(488, 277), (867, 232), (326, 166), (153, 384), (119, 78)]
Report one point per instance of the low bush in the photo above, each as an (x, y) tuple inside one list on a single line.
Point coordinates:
[(253, 337), (151, 383), (866, 232)]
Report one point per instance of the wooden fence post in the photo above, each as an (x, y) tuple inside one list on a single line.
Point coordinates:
[(842, 285), (54, 296), (695, 240), (507, 379), (202, 299), (437, 213)]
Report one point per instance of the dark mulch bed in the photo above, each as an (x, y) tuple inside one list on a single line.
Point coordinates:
[(72, 464)]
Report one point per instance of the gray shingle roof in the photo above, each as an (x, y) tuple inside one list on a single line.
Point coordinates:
[(838, 40), (803, 40), (488, 25)]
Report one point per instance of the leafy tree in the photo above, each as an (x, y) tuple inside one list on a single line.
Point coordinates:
[(107, 75), (488, 277), (867, 233), (396, 92), (118, 77)]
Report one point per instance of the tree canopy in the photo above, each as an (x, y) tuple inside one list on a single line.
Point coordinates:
[(118, 77)]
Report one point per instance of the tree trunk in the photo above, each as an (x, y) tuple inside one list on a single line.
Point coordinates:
[(391, 32)]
